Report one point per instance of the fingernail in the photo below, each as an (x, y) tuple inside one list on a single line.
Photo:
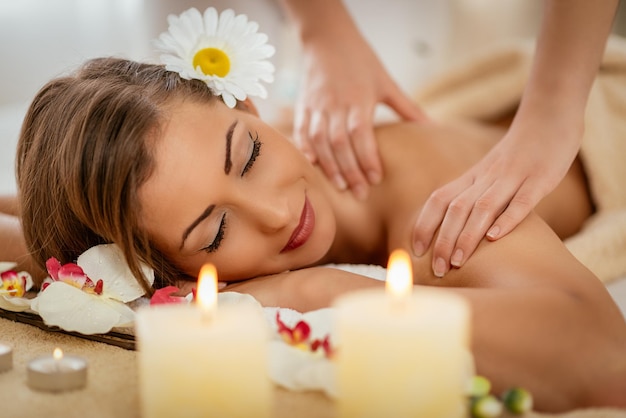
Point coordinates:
[(493, 232), (221, 285), (374, 177), (340, 182), (457, 258), (418, 248), (440, 267), (360, 192)]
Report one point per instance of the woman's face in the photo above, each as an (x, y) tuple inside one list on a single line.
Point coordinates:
[(230, 190)]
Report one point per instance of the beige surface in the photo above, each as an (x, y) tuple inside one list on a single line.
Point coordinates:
[(112, 383)]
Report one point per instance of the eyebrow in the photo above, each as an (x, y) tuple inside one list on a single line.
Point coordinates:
[(227, 166), (195, 223), (228, 163)]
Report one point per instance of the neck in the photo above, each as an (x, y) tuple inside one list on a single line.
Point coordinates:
[(360, 236)]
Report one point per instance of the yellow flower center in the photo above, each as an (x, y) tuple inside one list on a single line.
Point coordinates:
[(212, 61)]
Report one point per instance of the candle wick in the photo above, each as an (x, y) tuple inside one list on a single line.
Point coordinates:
[(399, 304), (207, 315)]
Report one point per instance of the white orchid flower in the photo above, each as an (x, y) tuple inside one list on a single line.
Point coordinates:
[(13, 287), (90, 296)]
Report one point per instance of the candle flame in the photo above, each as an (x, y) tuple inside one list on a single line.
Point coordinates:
[(206, 292), (399, 274), (57, 354)]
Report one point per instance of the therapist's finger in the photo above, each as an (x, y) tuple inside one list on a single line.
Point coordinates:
[(433, 212), (526, 198), (301, 133), (405, 107), (361, 131), (454, 221), (318, 135), (484, 211), (342, 148)]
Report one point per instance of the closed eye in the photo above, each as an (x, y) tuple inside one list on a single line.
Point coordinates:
[(215, 245), (256, 150)]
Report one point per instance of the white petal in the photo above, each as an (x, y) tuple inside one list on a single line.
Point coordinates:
[(29, 280), (300, 370), (72, 309), (225, 23), (14, 304), (229, 100), (125, 312), (6, 266), (107, 262), (210, 21)]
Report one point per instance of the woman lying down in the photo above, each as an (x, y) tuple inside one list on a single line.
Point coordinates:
[(132, 154)]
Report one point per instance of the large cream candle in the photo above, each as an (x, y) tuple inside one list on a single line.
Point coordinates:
[(200, 361), (402, 353)]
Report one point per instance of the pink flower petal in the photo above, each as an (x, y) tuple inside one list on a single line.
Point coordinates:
[(164, 296), (296, 335), (53, 266)]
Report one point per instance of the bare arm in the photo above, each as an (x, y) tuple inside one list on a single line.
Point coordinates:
[(540, 319), (12, 244), (497, 193), (8, 204)]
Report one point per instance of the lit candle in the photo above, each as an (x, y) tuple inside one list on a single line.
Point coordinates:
[(200, 361), (57, 373), (6, 358), (402, 353)]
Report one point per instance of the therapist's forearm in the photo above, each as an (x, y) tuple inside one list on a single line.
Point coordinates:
[(319, 19), (569, 49)]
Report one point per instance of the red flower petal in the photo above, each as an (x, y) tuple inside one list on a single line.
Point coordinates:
[(98, 289), (71, 270), (53, 266), (296, 335), (301, 332), (164, 296)]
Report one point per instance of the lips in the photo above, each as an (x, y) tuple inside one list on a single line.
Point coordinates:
[(304, 229)]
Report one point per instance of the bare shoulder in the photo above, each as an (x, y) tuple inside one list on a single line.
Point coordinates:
[(532, 255), (430, 144)]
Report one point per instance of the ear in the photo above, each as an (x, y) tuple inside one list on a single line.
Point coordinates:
[(247, 106)]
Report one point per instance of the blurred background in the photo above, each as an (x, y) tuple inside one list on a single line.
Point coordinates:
[(414, 38)]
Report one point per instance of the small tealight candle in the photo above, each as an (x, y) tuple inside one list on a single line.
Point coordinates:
[(402, 353), (57, 373), (6, 358), (201, 360)]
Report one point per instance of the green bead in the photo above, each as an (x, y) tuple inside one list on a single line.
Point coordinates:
[(517, 400), (479, 386), (487, 406)]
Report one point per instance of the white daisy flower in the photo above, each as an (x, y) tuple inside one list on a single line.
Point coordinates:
[(226, 52)]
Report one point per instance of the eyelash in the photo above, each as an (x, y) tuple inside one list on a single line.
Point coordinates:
[(218, 238), (256, 150)]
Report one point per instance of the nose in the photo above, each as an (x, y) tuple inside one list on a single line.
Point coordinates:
[(270, 213)]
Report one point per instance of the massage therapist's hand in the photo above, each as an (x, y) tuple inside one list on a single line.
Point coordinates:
[(343, 82), (497, 193), (334, 114)]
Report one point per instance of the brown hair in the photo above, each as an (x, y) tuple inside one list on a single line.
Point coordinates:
[(84, 152)]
